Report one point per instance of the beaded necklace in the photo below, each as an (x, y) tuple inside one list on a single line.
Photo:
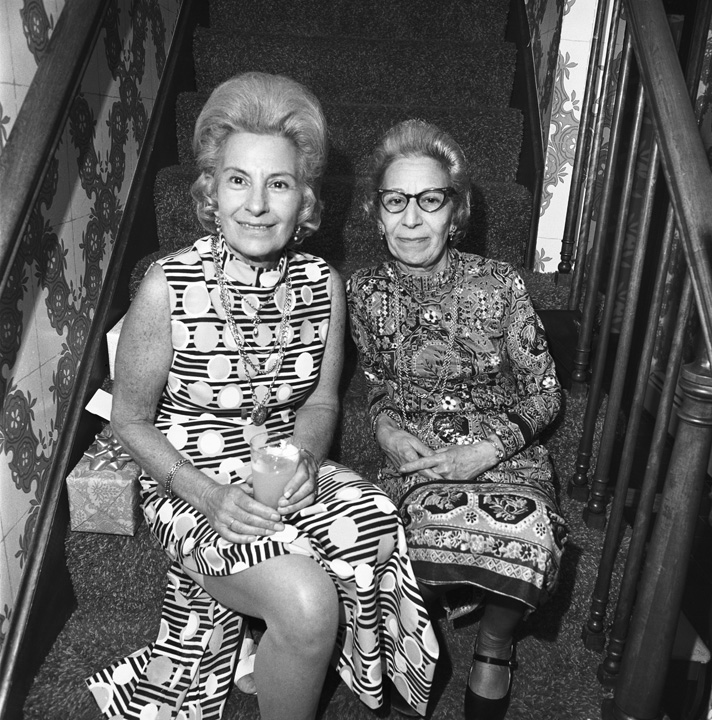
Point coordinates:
[(259, 412), (400, 360)]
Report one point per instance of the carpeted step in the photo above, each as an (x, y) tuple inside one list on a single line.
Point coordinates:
[(453, 20), (490, 138), (364, 70), (90, 640), (92, 559)]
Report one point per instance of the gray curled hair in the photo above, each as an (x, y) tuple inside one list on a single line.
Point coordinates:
[(262, 104), (417, 138)]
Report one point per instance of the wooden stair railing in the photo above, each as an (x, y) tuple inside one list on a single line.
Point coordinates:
[(646, 658), (45, 596), (23, 166), (41, 120), (674, 226)]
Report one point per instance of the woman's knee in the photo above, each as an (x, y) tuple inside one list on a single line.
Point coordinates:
[(307, 613)]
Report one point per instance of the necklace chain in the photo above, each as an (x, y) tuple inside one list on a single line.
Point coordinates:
[(259, 412), (400, 360)]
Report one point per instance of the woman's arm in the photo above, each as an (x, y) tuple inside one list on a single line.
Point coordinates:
[(143, 361), (538, 388), (380, 404)]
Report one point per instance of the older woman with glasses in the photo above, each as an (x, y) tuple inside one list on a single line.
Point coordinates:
[(460, 385)]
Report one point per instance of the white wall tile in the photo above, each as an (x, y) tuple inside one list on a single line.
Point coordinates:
[(6, 74)]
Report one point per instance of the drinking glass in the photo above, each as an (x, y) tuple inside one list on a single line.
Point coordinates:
[(274, 462)]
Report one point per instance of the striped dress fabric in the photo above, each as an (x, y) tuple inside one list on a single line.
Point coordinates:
[(353, 531)]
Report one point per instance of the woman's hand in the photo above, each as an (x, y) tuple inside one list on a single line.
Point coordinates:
[(235, 515), (402, 447), (300, 491), (456, 462)]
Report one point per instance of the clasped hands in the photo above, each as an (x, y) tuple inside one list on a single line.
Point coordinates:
[(454, 462), (233, 512)]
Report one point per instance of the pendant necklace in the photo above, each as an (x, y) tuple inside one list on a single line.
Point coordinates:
[(259, 412)]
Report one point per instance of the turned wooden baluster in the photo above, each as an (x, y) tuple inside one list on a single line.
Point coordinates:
[(593, 632), (608, 670), (647, 652), (582, 160), (595, 511), (582, 258), (579, 484)]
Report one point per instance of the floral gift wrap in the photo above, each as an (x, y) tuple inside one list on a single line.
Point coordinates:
[(103, 489)]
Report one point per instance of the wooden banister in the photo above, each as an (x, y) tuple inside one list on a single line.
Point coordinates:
[(41, 119), (683, 154)]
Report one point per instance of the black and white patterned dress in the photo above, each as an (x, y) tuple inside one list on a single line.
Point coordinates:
[(353, 531), (503, 530)]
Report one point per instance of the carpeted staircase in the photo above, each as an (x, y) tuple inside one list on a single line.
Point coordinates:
[(372, 63)]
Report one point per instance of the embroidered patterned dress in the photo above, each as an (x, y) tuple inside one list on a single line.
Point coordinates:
[(501, 531), (353, 531)]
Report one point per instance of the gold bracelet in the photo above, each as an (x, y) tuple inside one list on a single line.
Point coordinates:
[(177, 465)]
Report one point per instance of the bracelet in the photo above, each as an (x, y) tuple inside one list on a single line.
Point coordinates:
[(392, 414), (177, 465), (497, 448)]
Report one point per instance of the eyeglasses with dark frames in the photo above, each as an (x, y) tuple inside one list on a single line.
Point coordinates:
[(395, 201)]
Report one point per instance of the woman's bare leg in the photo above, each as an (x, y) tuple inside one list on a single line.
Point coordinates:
[(299, 604)]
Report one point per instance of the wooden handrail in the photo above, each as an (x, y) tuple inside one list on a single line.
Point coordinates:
[(683, 154), (41, 120)]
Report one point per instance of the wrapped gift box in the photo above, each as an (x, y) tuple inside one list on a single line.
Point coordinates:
[(104, 490)]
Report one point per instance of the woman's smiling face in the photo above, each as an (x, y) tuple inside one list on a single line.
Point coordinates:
[(258, 195), (418, 240)]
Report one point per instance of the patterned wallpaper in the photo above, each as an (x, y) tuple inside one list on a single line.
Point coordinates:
[(561, 43), (50, 298)]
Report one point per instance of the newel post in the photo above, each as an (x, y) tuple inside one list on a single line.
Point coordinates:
[(647, 652)]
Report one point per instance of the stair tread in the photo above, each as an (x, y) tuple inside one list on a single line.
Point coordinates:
[(456, 19), (354, 130), (403, 71)]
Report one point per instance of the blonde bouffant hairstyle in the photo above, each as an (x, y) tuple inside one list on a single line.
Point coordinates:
[(262, 104), (417, 138)]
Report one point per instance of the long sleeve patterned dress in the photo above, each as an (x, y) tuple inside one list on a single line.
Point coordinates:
[(454, 357), (353, 531)]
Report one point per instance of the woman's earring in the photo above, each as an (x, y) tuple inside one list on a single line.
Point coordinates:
[(296, 238), (218, 226), (451, 234), (381, 232)]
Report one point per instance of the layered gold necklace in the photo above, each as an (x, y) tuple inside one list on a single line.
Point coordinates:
[(274, 358), (400, 359)]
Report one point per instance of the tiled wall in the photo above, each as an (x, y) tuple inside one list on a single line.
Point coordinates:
[(561, 43), (54, 284)]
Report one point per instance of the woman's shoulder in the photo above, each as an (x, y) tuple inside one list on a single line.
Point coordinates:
[(313, 267), (190, 255), (365, 275), (480, 266)]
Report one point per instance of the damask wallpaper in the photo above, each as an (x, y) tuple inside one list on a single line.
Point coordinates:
[(50, 298), (561, 43)]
